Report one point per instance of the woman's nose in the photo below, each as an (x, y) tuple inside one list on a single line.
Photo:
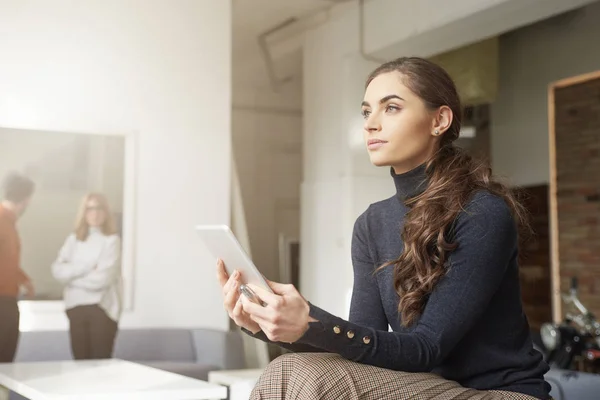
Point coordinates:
[(372, 124)]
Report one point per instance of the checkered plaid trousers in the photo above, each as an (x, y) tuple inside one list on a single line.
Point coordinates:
[(307, 376)]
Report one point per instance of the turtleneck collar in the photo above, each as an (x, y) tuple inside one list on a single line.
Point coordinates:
[(410, 184), (94, 230)]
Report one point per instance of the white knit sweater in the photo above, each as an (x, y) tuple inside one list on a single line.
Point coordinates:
[(91, 272)]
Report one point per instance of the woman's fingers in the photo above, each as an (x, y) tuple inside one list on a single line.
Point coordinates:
[(244, 320), (222, 274), (269, 328), (231, 298), (256, 310), (238, 314), (281, 288), (225, 280), (234, 280), (269, 298)]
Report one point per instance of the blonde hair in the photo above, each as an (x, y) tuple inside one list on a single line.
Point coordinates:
[(82, 228)]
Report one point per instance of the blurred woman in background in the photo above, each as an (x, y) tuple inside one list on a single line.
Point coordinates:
[(89, 265)]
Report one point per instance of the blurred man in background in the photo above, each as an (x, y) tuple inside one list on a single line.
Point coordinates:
[(16, 194)]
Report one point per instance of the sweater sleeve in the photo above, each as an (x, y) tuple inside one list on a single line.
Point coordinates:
[(366, 308), (108, 267), (487, 241), (294, 347), (9, 258), (64, 269)]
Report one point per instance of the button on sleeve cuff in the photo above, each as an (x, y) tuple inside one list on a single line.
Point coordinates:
[(336, 335)]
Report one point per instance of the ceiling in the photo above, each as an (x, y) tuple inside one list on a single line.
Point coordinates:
[(253, 18)]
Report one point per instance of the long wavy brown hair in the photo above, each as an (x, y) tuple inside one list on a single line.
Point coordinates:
[(453, 177)]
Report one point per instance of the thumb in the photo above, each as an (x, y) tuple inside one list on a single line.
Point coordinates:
[(280, 288)]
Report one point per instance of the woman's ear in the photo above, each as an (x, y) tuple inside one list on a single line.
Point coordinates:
[(442, 121)]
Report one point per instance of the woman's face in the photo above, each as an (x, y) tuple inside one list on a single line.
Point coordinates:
[(95, 214), (399, 130)]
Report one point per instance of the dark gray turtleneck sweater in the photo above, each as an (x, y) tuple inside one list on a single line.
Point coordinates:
[(473, 329)]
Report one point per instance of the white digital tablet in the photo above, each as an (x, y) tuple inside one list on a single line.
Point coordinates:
[(222, 243)]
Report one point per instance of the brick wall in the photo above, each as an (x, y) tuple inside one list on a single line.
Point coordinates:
[(577, 109), (534, 257)]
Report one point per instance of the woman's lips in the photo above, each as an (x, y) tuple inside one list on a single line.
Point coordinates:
[(374, 144)]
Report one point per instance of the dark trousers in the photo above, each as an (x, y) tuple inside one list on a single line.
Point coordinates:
[(9, 328), (92, 332)]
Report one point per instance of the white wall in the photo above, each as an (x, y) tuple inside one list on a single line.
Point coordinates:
[(336, 166), (267, 146), (530, 59), (159, 68)]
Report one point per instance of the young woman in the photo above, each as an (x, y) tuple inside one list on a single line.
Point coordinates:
[(89, 266), (437, 262)]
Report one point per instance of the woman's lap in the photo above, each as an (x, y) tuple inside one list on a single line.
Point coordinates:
[(328, 376)]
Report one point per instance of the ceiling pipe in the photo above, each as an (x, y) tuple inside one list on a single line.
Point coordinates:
[(276, 82), (303, 23), (361, 34)]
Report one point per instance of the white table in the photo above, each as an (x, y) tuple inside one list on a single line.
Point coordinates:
[(240, 381), (103, 380)]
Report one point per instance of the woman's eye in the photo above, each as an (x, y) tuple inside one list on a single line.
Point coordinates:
[(392, 107), (365, 113)]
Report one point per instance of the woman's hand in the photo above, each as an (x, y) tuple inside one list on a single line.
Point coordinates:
[(29, 289), (285, 317), (230, 286)]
